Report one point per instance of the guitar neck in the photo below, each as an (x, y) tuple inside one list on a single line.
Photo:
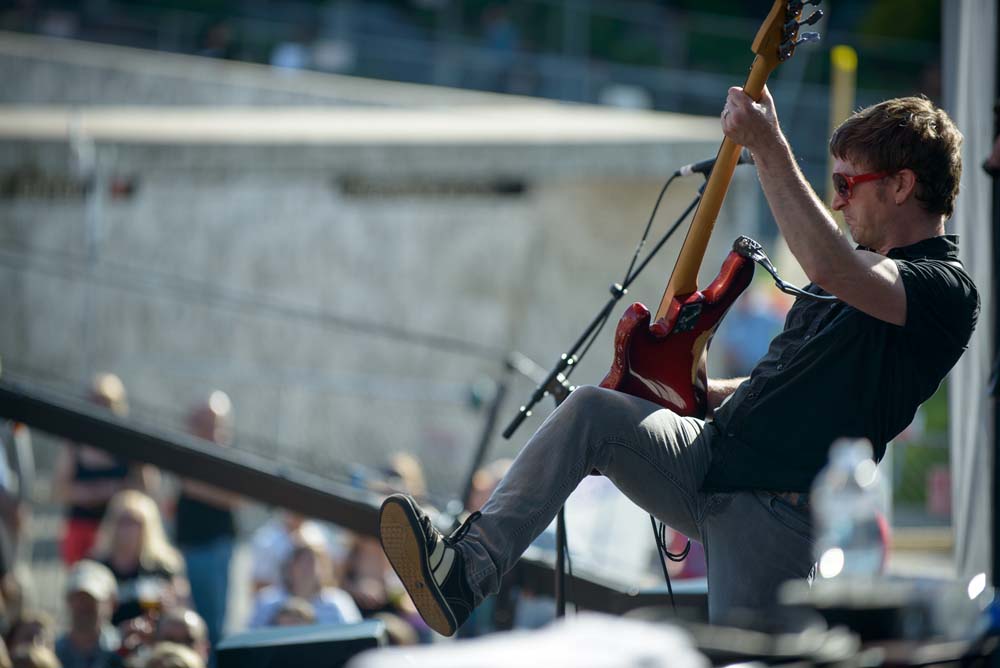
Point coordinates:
[(684, 278)]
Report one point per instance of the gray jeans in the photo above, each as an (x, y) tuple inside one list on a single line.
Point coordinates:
[(754, 540)]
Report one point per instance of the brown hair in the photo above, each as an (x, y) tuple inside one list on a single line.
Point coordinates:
[(906, 133)]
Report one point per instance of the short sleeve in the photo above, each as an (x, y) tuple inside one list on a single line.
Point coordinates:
[(942, 304)]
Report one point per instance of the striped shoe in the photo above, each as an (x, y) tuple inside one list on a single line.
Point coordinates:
[(431, 569)]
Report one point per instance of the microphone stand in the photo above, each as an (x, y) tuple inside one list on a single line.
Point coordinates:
[(514, 361), (557, 385)]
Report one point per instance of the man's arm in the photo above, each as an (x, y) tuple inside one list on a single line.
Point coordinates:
[(867, 281), (720, 389)]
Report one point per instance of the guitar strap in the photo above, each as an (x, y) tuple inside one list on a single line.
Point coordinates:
[(750, 249)]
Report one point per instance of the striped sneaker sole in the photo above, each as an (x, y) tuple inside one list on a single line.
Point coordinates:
[(400, 532)]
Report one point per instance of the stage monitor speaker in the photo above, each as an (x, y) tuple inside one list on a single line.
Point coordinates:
[(319, 646)]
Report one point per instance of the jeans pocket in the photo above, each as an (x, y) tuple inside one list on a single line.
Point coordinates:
[(797, 519)]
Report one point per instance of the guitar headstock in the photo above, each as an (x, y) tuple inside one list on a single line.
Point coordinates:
[(779, 36)]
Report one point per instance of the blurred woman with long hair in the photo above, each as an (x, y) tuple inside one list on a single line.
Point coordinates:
[(131, 542)]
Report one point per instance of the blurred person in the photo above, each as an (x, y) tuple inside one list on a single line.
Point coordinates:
[(133, 544), (91, 641), (12, 598), (405, 474), (34, 627), (172, 655), (5, 661), (900, 313), (502, 38), (399, 631), (485, 480), (375, 588), (294, 611), (185, 627), (366, 576), (308, 575), (401, 472), (217, 40), (205, 523), (273, 541), (34, 656), (85, 477), (296, 53), (17, 473), (751, 323)]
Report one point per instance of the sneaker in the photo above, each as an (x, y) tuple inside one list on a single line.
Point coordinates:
[(431, 569)]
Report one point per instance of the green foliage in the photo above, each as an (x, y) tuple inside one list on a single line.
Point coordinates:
[(936, 411), (916, 458), (903, 19)]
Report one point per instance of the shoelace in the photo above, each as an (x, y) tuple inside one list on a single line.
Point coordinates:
[(431, 533), (464, 529)]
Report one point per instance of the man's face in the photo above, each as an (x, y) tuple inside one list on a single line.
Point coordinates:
[(84, 611), (866, 208)]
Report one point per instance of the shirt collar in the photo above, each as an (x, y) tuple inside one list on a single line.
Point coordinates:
[(942, 247)]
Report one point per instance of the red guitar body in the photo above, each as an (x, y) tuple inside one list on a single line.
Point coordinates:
[(665, 362)]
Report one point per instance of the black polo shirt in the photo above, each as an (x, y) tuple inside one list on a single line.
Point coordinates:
[(835, 371)]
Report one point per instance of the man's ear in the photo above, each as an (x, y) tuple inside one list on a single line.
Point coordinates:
[(904, 185)]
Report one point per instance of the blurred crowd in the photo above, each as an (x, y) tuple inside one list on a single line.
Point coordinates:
[(148, 557)]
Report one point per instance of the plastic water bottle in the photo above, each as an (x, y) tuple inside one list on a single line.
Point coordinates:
[(848, 515)]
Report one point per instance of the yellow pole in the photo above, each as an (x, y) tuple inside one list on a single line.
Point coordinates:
[(843, 84)]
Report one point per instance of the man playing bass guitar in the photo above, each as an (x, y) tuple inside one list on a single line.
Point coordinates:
[(858, 366)]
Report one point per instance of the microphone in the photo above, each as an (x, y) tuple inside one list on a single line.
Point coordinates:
[(705, 166)]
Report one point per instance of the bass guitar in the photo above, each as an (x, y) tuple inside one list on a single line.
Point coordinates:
[(664, 362)]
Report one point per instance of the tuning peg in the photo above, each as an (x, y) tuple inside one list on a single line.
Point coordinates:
[(787, 47), (793, 26), (806, 37), (813, 18)]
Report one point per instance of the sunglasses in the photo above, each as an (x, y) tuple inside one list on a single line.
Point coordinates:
[(844, 183)]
